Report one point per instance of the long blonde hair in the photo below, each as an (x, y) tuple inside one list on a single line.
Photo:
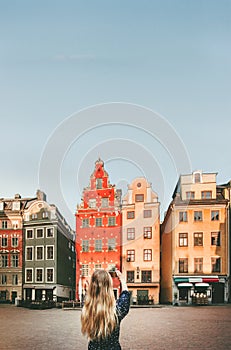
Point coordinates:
[(98, 316)]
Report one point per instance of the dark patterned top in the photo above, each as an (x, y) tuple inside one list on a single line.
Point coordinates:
[(112, 342)]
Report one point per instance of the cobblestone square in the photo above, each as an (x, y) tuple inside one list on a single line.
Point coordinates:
[(167, 327)]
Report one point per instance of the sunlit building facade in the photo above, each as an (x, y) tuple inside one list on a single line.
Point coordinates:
[(195, 243), (141, 242)]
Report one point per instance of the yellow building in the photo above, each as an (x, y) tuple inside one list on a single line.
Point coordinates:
[(194, 243), (141, 242)]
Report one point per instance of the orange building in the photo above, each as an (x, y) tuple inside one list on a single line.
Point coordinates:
[(98, 229), (141, 242), (194, 243)]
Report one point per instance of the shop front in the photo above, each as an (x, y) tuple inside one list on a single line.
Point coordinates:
[(199, 290)]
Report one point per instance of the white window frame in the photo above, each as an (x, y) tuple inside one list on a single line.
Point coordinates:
[(85, 270), (39, 228), (47, 252), (31, 229), (5, 245), (92, 203), (98, 266), (16, 258), (12, 240), (36, 269), (53, 231), (32, 253), (50, 268), (104, 202), (36, 254), (85, 222), (32, 275)]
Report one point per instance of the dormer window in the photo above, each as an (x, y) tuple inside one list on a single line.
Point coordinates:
[(197, 177), (16, 206)]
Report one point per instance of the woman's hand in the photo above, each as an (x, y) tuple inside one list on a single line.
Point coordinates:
[(122, 280)]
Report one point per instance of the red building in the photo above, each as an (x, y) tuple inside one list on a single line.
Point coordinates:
[(98, 229), (11, 248)]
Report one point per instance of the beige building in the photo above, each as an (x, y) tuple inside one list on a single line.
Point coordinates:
[(141, 242), (194, 243)]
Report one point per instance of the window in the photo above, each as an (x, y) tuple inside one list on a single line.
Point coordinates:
[(148, 232), (139, 197), (98, 266), (14, 260), (92, 203), (183, 216), (130, 233), (50, 232), (98, 222), (147, 254), (4, 242), (39, 233), (50, 252), (39, 275), (146, 276), (198, 265), (15, 224), (29, 253), (190, 195), (216, 264), (198, 239), (206, 194), (130, 255), (85, 245), (16, 206), (183, 265), (147, 213), (98, 245), (183, 239), (3, 279), (39, 253), (131, 214), (15, 279), (50, 275), (98, 183), (111, 221), (4, 260), (4, 224), (130, 277), (29, 275), (85, 270), (216, 238), (14, 242), (29, 234), (197, 177), (85, 223), (111, 243), (45, 214), (104, 202), (34, 216), (197, 215), (215, 215)]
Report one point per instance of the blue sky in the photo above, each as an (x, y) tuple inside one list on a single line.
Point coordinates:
[(57, 58)]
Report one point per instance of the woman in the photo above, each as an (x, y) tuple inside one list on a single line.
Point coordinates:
[(102, 314)]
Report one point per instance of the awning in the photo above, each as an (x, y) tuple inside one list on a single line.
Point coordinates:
[(185, 285), (205, 285), (212, 279)]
